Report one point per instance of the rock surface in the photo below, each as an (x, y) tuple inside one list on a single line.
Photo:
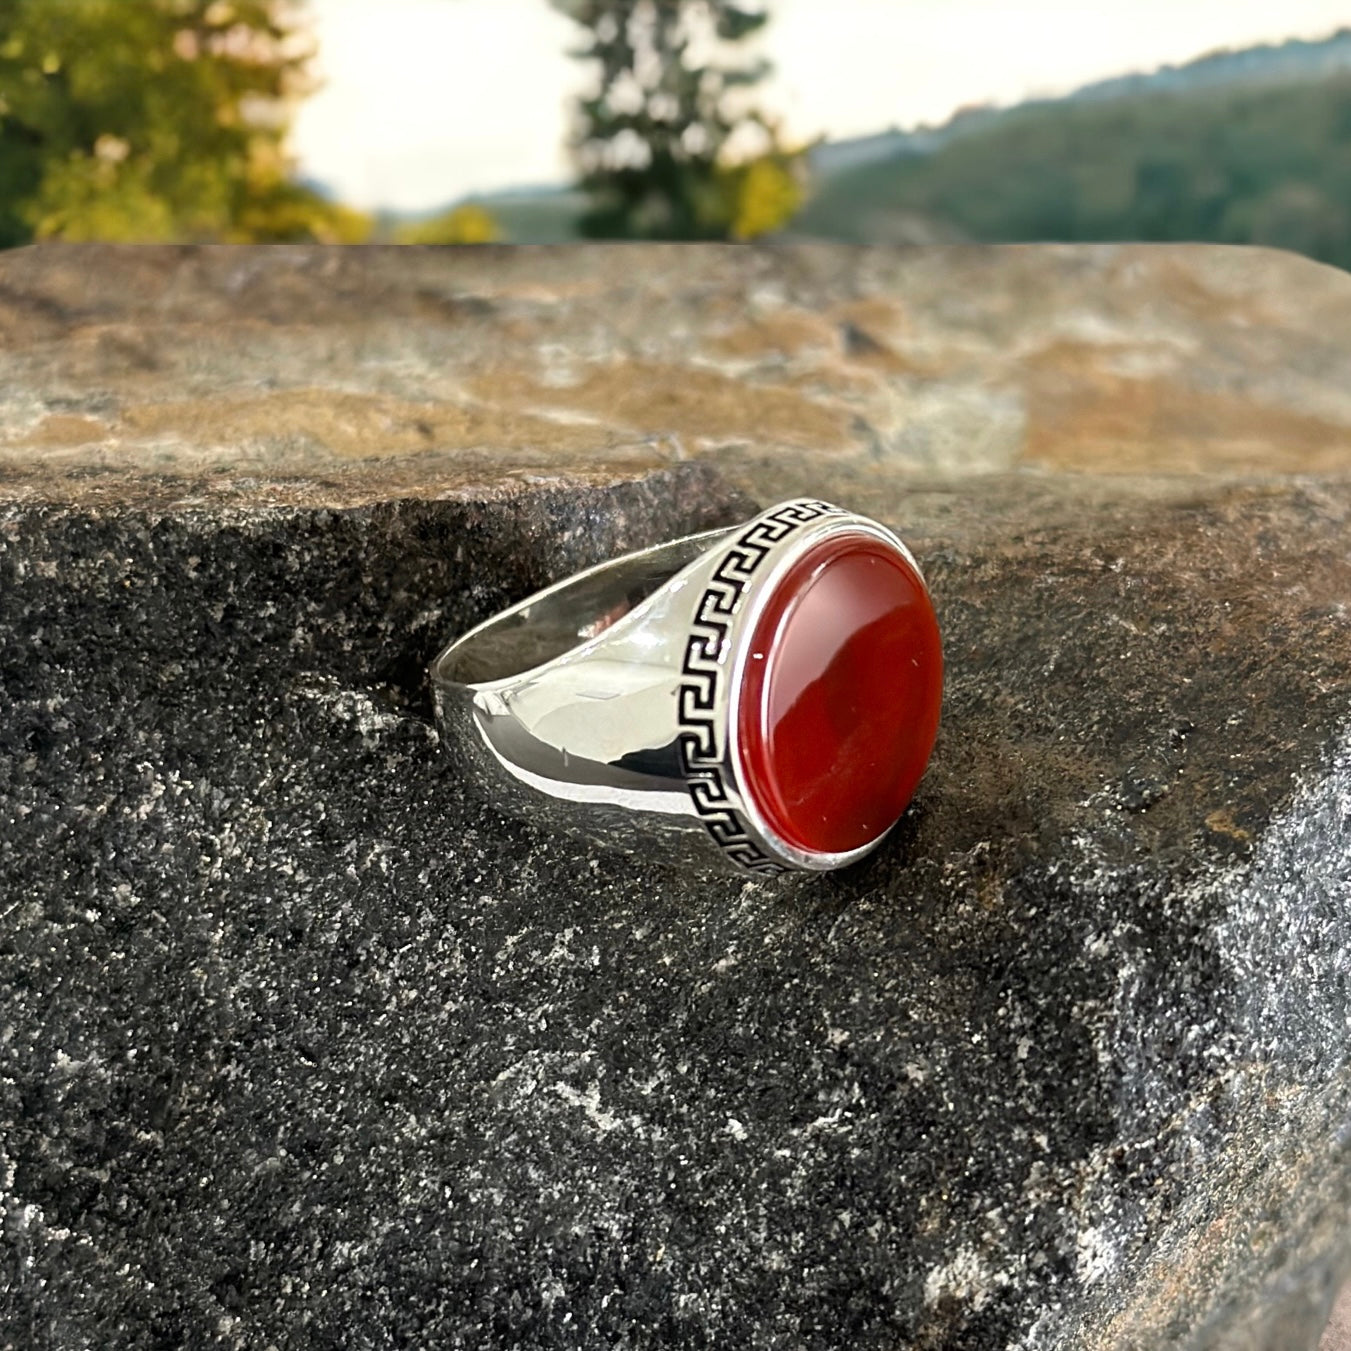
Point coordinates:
[(302, 1046), (1109, 359), (1337, 1334)]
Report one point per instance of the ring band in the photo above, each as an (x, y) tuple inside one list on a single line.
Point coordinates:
[(760, 699)]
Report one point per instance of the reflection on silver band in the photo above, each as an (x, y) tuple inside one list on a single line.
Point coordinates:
[(606, 705)]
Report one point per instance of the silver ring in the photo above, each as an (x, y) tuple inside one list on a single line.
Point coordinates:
[(761, 699)]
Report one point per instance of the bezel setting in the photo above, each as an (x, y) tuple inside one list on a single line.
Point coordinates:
[(791, 533)]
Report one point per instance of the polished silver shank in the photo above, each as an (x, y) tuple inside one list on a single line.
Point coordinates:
[(607, 705)]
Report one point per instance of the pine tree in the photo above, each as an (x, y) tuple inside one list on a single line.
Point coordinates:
[(656, 143)]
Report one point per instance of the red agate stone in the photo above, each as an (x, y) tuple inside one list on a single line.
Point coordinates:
[(840, 695)]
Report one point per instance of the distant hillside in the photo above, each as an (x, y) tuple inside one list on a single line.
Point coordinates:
[(528, 215), (1287, 62), (1250, 146), (1280, 63), (535, 217), (1247, 147)]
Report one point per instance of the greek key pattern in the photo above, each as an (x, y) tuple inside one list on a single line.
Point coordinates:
[(701, 749)]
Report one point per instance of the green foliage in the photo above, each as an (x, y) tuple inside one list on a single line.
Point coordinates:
[(467, 223), (154, 120), (657, 140), (1262, 164)]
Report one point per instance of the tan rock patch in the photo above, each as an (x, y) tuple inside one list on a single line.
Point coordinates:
[(1081, 416), (352, 425), (64, 430), (343, 425), (698, 405), (789, 333), (883, 319)]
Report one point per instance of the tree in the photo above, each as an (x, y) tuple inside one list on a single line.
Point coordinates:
[(155, 120), (663, 143)]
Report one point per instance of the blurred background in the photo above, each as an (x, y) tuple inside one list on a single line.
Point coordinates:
[(463, 121)]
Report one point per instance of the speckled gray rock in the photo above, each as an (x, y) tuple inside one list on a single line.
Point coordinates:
[(300, 1046)]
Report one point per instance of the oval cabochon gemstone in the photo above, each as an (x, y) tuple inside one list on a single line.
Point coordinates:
[(840, 695)]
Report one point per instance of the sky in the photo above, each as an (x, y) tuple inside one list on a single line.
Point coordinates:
[(425, 101)]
